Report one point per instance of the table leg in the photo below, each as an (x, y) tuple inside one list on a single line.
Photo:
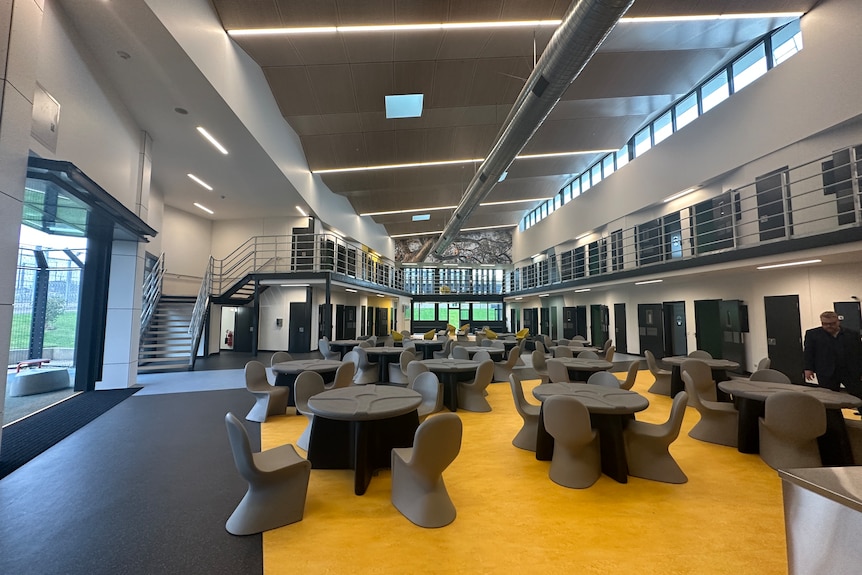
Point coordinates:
[(450, 390), (331, 445), (835, 443), (544, 440), (719, 375), (383, 373), (373, 444), (676, 383), (612, 445), (748, 428)]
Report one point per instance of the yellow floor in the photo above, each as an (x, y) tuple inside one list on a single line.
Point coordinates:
[(512, 518)]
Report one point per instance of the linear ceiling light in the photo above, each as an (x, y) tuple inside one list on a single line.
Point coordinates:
[(694, 18), (421, 217), (294, 285), (393, 28), (301, 211), (212, 140), (350, 290), (648, 282), (488, 265), (479, 229), (379, 295), (431, 233), (397, 166), (678, 195), (200, 182), (454, 162), (544, 294), (503, 203), (410, 211), (789, 264), (582, 290), (204, 208)]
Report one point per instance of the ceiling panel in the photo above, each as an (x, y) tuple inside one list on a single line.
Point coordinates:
[(331, 89)]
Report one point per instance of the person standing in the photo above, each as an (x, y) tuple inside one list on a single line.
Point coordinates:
[(834, 354)]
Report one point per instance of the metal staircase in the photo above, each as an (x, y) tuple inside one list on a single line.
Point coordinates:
[(166, 342)]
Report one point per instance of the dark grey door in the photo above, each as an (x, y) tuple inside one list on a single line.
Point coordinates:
[(339, 322), (771, 190), (707, 327), (531, 320), (581, 320), (382, 324), (651, 328), (546, 321), (300, 328), (675, 338), (849, 312), (569, 329), (554, 324), (784, 335), (620, 328), (599, 319), (733, 348), (242, 331)]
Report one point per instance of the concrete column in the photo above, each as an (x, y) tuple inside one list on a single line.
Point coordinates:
[(20, 25)]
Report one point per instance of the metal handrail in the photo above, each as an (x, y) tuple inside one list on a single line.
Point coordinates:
[(199, 314), (814, 198), (152, 292)]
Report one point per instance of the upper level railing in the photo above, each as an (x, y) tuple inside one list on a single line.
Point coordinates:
[(815, 198), (304, 253)]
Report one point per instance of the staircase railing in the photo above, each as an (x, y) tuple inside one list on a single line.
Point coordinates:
[(199, 314), (152, 292)]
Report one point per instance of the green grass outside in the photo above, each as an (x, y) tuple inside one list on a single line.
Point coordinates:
[(63, 334)]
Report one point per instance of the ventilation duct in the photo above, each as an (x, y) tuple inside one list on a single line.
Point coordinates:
[(583, 29)]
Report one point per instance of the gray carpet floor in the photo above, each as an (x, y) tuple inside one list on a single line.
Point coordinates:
[(144, 489)]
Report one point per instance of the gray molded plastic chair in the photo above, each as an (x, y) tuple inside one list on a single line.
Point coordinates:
[(279, 357), (366, 371), (562, 351), (503, 369), (647, 445), (482, 355), (854, 432), (308, 384), (405, 335), (522, 345), (414, 369), (789, 429), (661, 385), (444, 353), (326, 351), (366, 343), (579, 338), (604, 378), (546, 339), (540, 347), (398, 371), (459, 352), (770, 376), (700, 372), (576, 462), (557, 371), (577, 343), (344, 374), (388, 341), (418, 490), (609, 353), (409, 345), (429, 387), (526, 437), (484, 342), (607, 345), (631, 376), (268, 399), (539, 363), (700, 354), (471, 394), (498, 344), (563, 342), (764, 363), (718, 420), (277, 484), (588, 355)]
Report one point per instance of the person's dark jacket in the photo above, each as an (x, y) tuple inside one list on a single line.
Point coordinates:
[(820, 356)]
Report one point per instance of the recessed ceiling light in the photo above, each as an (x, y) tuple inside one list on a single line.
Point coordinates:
[(403, 106), (482, 228), (412, 210), (437, 233), (544, 294), (488, 265), (204, 208), (379, 295), (421, 217), (582, 290), (301, 211), (200, 182), (453, 265), (503, 203), (678, 195), (393, 27), (409, 264), (789, 264), (211, 140), (519, 298), (294, 285), (350, 290), (648, 282)]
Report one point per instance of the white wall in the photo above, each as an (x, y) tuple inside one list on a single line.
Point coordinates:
[(812, 91), (186, 240)]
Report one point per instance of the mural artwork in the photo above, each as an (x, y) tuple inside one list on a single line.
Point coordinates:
[(488, 247)]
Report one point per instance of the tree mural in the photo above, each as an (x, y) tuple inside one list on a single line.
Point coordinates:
[(489, 247)]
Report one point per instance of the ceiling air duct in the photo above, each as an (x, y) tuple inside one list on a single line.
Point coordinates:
[(584, 28)]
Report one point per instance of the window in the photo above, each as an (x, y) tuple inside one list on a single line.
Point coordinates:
[(786, 42), (549, 206), (608, 165), (585, 182), (715, 91), (686, 110), (662, 127), (596, 173), (623, 156), (642, 142), (748, 68), (576, 188), (567, 194)]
